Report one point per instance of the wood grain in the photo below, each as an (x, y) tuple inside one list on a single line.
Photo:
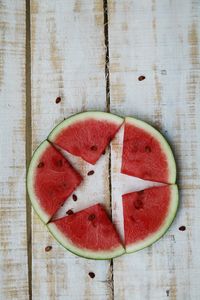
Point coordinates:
[(13, 246), (160, 40), (68, 60)]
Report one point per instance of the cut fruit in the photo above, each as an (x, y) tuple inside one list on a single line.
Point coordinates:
[(146, 154), (86, 134), (50, 180), (147, 215), (88, 233)]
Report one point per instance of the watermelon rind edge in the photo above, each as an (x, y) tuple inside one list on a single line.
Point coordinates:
[(164, 145), (30, 180), (98, 115), (163, 229), (85, 253)]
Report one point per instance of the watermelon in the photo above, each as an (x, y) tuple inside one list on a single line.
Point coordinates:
[(88, 233), (146, 154), (147, 215), (86, 134), (50, 180)]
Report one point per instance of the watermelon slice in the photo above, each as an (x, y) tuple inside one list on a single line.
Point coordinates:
[(88, 233), (86, 134), (147, 215), (146, 154), (50, 180)]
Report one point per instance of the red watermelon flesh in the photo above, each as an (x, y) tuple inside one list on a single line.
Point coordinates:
[(53, 180), (88, 233), (87, 135), (147, 215), (146, 154)]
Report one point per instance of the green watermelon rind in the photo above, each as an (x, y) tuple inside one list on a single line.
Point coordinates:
[(97, 115), (30, 180), (86, 253), (163, 143), (163, 229)]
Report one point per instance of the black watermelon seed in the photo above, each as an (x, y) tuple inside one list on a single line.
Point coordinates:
[(90, 173), (147, 149), (91, 274), (74, 197), (58, 100), (40, 165), (182, 228), (48, 248), (91, 217), (138, 204), (69, 212), (93, 148), (142, 77)]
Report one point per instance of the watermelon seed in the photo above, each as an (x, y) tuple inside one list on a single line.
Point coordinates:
[(93, 148), (90, 173), (91, 217), (147, 149), (91, 274), (167, 292), (41, 165), (104, 152), (69, 212), (74, 197), (138, 204), (142, 77), (141, 192), (58, 100), (182, 228), (59, 163), (48, 248)]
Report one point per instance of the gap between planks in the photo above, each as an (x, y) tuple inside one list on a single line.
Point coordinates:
[(107, 78), (28, 141)]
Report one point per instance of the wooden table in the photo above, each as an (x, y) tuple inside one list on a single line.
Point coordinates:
[(91, 53)]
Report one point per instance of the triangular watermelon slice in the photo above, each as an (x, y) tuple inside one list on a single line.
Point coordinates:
[(86, 134), (50, 180), (147, 215), (88, 233), (146, 154)]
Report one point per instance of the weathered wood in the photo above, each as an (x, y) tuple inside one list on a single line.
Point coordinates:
[(13, 245), (160, 40), (68, 60)]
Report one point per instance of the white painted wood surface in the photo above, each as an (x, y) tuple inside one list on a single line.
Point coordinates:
[(160, 40), (157, 39), (68, 60), (13, 243)]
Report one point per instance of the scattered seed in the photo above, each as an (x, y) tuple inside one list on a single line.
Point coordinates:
[(167, 292), (91, 217), (147, 149), (74, 197), (182, 228), (91, 274), (142, 77), (69, 212), (138, 204), (48, 248), (90, 173), (41, 164), (58, 100), (93, 148)]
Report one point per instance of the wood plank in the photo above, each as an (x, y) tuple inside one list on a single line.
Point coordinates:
[(160, 40), (68, 60), (13, 246)]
